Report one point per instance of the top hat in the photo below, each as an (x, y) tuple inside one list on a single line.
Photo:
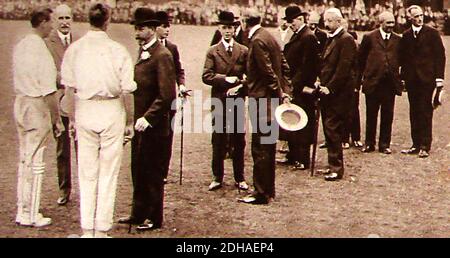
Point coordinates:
[(163, 17), (226, 18), (145, 16), (291, 117), (293, 12)]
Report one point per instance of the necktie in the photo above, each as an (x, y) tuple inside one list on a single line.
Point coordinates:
[(66, 42), (162, 42), (230, 50), (416, 33), (386, 40)]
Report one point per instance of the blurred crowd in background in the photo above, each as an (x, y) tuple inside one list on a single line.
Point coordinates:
[(205, 13)]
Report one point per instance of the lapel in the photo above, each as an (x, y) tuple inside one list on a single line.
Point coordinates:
[(57, 44), (380, 40), (151, 50), (332, 44), (222, 52)]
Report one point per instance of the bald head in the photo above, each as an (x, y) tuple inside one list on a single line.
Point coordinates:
[(387, 21), (415, 14), (63, 18), (333, 19)]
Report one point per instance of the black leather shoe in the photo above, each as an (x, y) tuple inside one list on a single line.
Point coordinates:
[(412, 150), (368, 148), (129, 220), (284, 161), (385, 151), (147, 225), (63, 200), (423, 154), (250, 199), (323, 145), (333, 177)]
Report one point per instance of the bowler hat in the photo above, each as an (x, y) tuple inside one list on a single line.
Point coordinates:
[(226, 18), (291, 117), (293, 12), (145, 16), (163, 17)]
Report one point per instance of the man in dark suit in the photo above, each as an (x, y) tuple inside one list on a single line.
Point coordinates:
[(57, 42), (156, 82), (422, 58), (378, 59), (336, 88), (301, 53), (224, 71), (313, 22), (162, 33), (267, 73)]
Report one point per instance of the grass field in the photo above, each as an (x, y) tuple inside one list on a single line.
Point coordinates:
[(388, 195)]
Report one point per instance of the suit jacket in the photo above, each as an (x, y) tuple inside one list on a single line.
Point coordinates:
[(378, 61), (176, 60), (322, 39), (57, 49), (156, 81), (337, 74), (422, 58), (219, 64), (301, 53), (267, 69)]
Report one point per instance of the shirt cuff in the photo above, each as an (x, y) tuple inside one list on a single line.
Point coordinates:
[(439, 80)]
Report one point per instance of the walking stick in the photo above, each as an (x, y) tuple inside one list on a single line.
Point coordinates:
[(183, 96), (316, 132)]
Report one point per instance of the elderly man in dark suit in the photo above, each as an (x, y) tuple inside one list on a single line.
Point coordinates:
[(156, 81), (422, 58), (162, 33), (337, 84), (224, 71), (57, 42), (267, 73), (378, 59), (301, 53)]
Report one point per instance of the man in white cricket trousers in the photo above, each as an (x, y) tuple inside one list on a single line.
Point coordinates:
[(35, 112), (98, 73)]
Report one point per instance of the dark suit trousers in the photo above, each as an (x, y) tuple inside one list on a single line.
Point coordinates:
[(383, 97), (168, 154), (352, 126), (421, 113), (333, 124), (148, 166), (263, 155), (222, 143), (63, 161)]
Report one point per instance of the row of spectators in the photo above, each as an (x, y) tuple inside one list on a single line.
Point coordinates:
[(359, 18)]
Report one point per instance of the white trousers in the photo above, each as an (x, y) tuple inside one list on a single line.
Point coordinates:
[(100, 126), (33, 124)]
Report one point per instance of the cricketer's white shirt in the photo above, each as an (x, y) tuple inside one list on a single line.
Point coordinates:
[(95, 65), (34, 70)]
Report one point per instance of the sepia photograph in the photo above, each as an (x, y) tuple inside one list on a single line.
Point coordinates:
[(248, 119)]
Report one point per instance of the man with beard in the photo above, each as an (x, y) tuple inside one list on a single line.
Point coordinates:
[(422, 58), (267, 73), (336, 89), (224, 71), (378, 60), (301, 53), (57, 42), (156, 89)]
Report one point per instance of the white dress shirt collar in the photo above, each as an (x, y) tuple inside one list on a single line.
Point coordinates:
[(335, 32), (228, 44), (63, 37), (384, 34), (415, 28), (253, 30), (300, 29), (149, 44), (237, 31)]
